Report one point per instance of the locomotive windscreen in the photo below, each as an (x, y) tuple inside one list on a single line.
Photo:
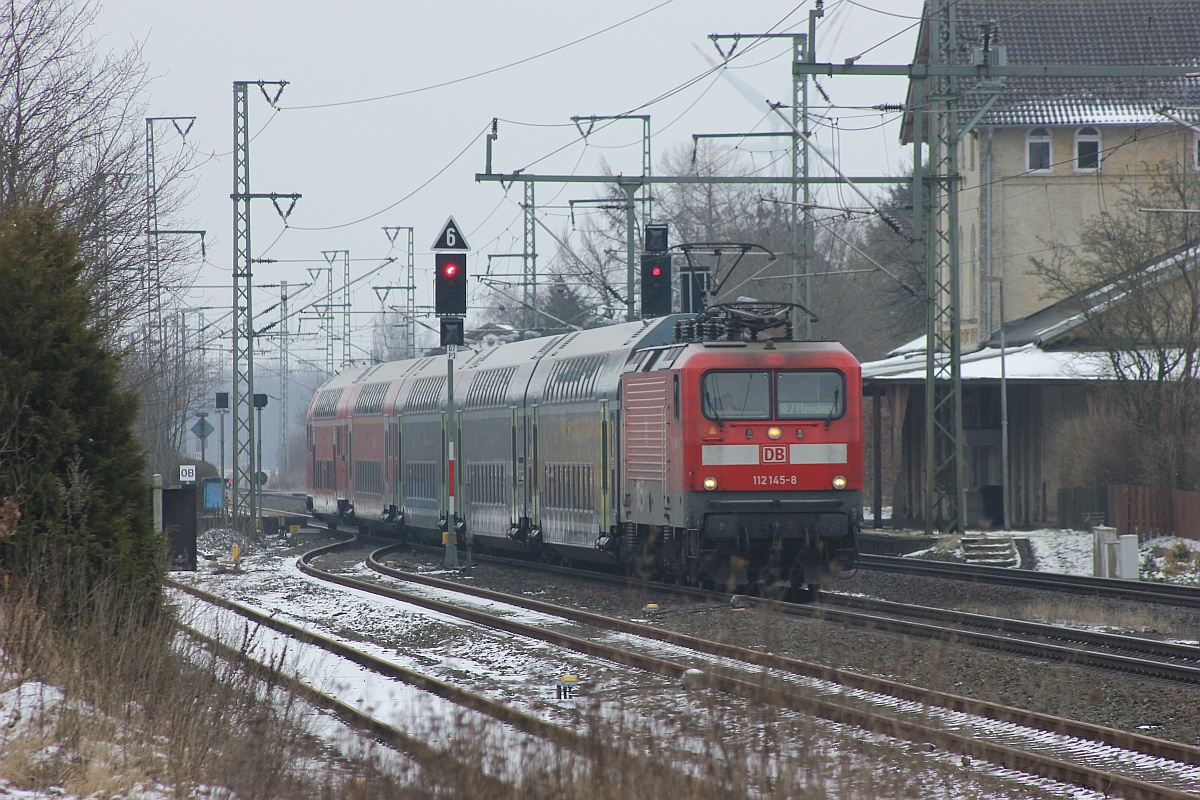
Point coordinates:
[(811, 394), (798, 394), (737, 395)]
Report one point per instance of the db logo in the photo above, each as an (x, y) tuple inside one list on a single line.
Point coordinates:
[(774, 454)]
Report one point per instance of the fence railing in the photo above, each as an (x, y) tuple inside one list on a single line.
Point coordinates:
[(1146, 511)]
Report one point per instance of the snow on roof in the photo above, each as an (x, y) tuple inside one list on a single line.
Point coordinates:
[(1025, 363), (1074, 112)]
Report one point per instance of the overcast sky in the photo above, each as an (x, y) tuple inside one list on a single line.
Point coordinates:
[(383, 120)]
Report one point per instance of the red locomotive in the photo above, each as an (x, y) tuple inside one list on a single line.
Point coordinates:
[(689, 448)]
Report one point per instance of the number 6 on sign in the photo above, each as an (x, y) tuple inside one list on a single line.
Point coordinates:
[(451, 237)]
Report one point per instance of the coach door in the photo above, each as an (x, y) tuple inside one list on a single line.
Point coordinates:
[(396, 463), (535, 482), (605, 469), (515, 471)]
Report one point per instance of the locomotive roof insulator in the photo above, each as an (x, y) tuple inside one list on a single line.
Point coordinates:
[(740, 321)]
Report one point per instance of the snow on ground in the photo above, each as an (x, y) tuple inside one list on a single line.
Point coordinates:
[(1067, 552), (1070, 552)]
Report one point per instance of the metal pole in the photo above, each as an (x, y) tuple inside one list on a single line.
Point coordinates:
[(258, 528), (450, 558), (631, 270), (1004, 483), (224, 499), (1005, 500), (243, 312), (156, 483), (202, 416), (529, 260), (285, 369)]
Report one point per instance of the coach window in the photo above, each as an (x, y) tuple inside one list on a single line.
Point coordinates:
[(811, 394), (1087, 149), (737, 395), (1037, 148)]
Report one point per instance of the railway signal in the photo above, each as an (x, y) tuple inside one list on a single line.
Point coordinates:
[(450, 284), (452, 331), (656, 284), (656, 273)]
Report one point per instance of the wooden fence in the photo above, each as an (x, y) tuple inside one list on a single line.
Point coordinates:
[(1142, 510)]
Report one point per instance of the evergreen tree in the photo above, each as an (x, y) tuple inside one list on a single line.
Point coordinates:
[(68, 456)]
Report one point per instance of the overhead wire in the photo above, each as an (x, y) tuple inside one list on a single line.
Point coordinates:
[(408, 196), (486, 72)]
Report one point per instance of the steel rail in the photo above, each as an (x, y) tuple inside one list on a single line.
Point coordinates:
[(998, 641), (1112, 641), (1164, 593), (1117, 661), (1012, 757), (582, 743), (438, 762), (1034, 763)]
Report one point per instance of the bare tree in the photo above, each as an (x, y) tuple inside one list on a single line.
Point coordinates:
[(72, 124), (1135, 282), (72, 137), (389, 338), (870, 292)]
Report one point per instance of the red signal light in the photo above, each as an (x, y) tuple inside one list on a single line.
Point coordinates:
[(656, 272), (451, 270)]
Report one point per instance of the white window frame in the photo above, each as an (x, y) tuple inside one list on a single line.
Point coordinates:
[(1039, 136), (1088, 133)]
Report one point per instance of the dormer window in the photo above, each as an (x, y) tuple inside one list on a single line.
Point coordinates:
[(1037, 149), (1087, 149)]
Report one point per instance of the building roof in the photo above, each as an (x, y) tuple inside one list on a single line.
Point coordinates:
[(1048, 344), (1059, 324), (1082, 32), (1023, 364)]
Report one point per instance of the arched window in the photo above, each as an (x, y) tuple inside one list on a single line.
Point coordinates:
[(1037, 149), (1087, 149)]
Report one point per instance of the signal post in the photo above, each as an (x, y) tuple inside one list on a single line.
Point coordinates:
[(450, 305)]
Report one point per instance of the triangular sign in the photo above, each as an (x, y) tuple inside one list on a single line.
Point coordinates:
[(451, 237)]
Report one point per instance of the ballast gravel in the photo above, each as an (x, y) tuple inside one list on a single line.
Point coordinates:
[(1127, 701)]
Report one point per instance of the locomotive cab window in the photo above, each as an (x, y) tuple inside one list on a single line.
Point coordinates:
[(811, 394), (737, 395)]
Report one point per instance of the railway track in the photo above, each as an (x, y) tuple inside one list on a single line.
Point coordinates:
[(1165, 660), (1157, 659), (879, 614), (1051, 747), (1142, 591), (441, 765), (438, 765)]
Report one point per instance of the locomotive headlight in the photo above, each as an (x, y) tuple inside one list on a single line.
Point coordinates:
[(839, 482), (710, 484), (774, 432)]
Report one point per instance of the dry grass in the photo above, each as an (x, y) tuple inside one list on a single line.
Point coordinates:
[(118, 707)]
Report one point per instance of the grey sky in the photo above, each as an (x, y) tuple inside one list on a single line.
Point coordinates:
[(352, 161)]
